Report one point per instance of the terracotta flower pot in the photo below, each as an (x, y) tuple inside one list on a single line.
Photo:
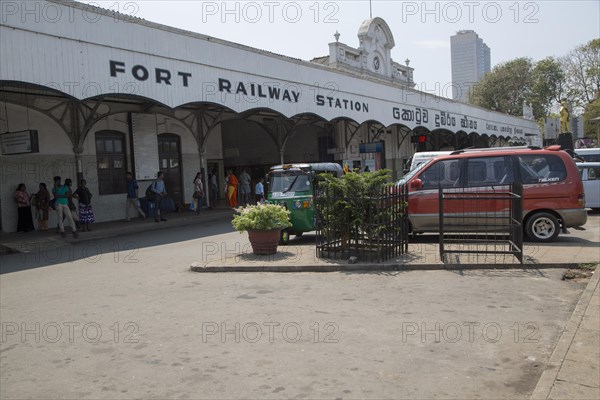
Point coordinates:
[(264, 242)]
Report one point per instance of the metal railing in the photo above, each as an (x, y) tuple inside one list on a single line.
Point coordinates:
[(481, 222), (372, 227)]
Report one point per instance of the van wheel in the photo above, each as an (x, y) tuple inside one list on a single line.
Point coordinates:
[(542, 227), (284, 237)]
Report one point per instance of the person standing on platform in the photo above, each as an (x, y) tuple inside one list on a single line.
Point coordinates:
[(61, 198), (25, 220), (198, 192), (159, 190), (42, 207), (86, 214), (245, 187), (232, 184), (214, 188), (72, 207), (132, 197), (259, 191)]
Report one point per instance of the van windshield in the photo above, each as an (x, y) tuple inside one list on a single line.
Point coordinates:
[(289, 181), (412, 173)]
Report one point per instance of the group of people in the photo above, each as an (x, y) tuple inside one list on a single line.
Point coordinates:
[(60, 200), (81, 216), (155, 193), (199, 192), (244, 183)]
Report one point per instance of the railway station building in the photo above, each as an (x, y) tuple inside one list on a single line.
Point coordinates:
[(87, 93)]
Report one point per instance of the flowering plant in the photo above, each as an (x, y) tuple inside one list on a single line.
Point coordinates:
[(264, 217)]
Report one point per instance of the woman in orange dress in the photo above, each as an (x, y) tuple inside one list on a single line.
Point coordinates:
[(232, 184)]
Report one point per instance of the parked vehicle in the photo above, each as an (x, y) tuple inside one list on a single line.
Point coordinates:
[(293, 186), (589, 155), (423, 157), (553, 196), (590, 175)]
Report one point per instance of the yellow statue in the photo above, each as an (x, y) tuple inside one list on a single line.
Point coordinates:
[(565, 118)]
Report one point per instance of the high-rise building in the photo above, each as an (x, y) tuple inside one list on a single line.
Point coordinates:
[(471, 59)]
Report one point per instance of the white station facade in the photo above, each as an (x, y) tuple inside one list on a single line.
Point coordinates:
[(89, 93)]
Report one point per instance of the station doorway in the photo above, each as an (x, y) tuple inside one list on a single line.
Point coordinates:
[(169, 156)]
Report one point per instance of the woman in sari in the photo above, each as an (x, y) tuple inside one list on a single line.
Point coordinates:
[(42, 207), (86, 213), (198, 192), (232, 184), (24, 220)]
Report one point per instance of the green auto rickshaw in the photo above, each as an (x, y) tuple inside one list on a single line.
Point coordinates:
[(293, 186)]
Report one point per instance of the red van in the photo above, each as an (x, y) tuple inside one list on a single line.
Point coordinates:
[(553, 196)]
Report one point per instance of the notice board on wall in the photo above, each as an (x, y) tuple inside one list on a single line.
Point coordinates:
[(145, 146), (19, 142)]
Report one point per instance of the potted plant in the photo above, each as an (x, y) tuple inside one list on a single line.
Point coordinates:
[(263, 223)]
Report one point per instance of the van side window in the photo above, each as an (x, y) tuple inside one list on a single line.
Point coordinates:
[(445, 173), (487, 171), (593, 173), (541, 168)]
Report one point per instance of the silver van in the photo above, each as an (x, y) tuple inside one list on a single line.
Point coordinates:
[(590, 176), (423, 157), (589, 154)]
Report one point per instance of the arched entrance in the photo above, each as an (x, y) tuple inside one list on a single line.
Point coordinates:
[(169, 158)]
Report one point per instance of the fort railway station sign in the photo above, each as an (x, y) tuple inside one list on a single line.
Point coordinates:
[(86, 52)]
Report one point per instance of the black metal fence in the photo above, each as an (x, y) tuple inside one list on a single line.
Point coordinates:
[(481, 222), (372, 227)]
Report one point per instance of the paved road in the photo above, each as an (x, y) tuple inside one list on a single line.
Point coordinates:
[(124, 318)]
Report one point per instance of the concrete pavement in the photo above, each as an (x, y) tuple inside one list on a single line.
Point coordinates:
[(32, 242), (578, 247), (567, 252), (573, 370), (155, 330)]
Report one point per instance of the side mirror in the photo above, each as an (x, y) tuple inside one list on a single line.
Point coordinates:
[(416, 184)]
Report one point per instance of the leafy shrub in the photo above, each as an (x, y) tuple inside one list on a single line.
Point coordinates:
[(356, 202), (264, 217)]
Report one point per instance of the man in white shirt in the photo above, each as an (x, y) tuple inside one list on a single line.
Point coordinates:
[(159, 190)]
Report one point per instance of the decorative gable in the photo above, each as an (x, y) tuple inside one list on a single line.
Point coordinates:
[(373, 55), (376, 42)]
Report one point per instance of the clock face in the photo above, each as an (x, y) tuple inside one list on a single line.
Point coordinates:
[(376, 63)]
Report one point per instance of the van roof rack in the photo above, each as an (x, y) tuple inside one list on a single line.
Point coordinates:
[(470, 149)]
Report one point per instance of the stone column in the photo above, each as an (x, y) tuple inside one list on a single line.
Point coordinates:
[(203, 167), (78, 164)]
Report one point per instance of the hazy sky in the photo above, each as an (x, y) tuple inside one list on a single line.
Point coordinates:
[(422, 30)]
